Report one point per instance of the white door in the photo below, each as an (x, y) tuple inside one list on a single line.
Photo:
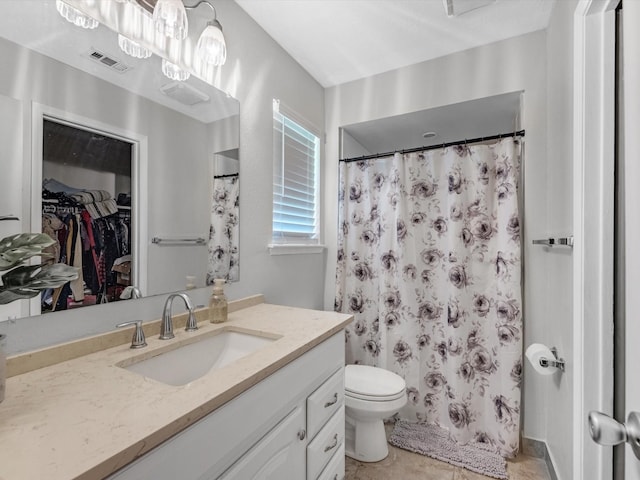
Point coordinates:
[(604, 429), (631, 59)]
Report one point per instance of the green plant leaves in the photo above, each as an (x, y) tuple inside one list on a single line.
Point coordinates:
[(15, 249), (28, 281)]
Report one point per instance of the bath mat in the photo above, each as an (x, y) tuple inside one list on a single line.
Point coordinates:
[(434, 442)]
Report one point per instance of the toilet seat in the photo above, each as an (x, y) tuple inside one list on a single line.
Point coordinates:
[(373, 384), (370, 398)]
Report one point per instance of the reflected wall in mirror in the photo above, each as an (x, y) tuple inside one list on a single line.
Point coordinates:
[(175, 130)]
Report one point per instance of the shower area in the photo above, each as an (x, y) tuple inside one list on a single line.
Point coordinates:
[(430, 262)]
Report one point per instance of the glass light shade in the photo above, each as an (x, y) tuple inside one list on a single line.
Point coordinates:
[(211, 47), (174, 72), (75, 16), (132, 48), (170, 18)]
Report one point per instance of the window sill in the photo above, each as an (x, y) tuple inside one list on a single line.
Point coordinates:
[(294, 249)]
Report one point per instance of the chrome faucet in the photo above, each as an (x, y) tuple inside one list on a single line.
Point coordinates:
[(135, 292), (166, 327)]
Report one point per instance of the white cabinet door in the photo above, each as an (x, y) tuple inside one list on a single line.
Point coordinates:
[(279, 455)]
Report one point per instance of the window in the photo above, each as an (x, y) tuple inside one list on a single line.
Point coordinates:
[(296, 159)]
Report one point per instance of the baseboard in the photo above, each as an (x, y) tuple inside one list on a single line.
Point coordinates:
[(538, 449)]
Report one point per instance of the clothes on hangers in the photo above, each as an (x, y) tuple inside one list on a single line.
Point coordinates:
[(90, 235)]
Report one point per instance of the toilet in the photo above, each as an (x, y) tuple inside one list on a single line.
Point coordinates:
[(371, 395)]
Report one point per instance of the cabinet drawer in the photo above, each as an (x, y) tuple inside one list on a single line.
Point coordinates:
[(324, 402), (325, 445), (335, 468)]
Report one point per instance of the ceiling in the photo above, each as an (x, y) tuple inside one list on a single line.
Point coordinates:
[(478, 118), (338, 41)]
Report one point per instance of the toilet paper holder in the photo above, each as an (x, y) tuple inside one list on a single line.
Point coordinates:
[(555, 362)]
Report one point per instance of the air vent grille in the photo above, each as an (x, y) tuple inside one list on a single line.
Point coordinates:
[(107, 61)]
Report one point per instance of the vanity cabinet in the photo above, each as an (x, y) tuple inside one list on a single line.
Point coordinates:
[(288, 426)]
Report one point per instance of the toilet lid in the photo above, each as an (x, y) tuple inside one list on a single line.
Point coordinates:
[(363, 380)]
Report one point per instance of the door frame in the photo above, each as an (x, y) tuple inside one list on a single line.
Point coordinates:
[(139, 188), (593, 217)]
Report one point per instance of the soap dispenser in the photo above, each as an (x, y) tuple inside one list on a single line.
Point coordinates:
[(218, 302)]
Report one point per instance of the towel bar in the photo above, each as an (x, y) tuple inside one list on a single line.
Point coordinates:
[(174, 241), (550, 242)]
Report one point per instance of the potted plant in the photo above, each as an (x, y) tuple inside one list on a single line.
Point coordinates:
[(26, 281)]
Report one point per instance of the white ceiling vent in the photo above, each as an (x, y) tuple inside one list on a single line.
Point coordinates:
[(184, 93), (107, 61)]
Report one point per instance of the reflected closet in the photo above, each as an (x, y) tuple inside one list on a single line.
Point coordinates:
[(86, 209)]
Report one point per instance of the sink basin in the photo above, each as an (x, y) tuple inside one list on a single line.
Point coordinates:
[(189, 361)]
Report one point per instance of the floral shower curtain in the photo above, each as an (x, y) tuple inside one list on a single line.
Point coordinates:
[(429, 265), (224, 229)]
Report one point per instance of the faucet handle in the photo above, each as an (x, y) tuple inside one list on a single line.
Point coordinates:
[(192, 324), (138, 340)]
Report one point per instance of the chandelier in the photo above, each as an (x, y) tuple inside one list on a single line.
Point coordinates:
[(161, 27)]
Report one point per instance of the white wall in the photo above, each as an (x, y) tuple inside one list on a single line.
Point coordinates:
[(558, 194), (517, 64), (257, 71)]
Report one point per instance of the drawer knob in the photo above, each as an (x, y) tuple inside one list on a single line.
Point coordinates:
[(302, 434), (332, 402), (333, 445)]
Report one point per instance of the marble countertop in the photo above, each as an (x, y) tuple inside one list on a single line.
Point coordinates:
[(86, 417)]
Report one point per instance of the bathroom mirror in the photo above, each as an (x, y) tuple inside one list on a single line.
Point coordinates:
[(182, 135)]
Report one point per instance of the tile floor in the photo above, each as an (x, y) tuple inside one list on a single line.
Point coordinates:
[(405, 465)]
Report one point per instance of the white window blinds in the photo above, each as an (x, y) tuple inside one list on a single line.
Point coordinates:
[(296, 153)]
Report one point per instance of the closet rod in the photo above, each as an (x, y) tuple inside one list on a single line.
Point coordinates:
[(519, 133)]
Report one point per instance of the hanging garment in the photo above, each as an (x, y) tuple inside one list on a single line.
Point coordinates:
[(50, 225), (97, 202), (429, 265), (74, 257), (95, 284)]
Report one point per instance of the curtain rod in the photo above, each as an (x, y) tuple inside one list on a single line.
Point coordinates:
[(519, 133)]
